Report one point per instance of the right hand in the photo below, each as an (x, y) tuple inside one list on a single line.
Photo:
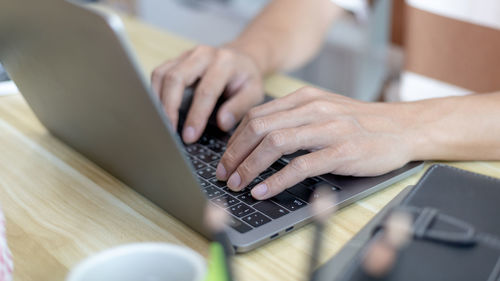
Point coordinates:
[(220, 70)]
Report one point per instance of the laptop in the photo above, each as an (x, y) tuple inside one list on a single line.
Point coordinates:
[(77, 72)]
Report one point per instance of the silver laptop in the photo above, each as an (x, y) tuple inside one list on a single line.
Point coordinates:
[(77, 72)]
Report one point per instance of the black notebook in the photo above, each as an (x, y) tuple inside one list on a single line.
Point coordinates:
[(455, 233)]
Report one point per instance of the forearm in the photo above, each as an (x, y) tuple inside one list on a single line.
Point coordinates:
[(455, 128), (286, 33)]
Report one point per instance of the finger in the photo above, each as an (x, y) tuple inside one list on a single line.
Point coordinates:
[(177, 79), (159, 72), (272, 147), (282, 104), (257, 128), (300, 168), (265, 109), (235, 108), (157, 76), (251, 136), (205, 97)]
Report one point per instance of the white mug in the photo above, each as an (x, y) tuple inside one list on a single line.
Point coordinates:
[(142, 262)]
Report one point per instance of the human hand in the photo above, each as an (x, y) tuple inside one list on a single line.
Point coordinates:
[(344, 137), (220, 70)]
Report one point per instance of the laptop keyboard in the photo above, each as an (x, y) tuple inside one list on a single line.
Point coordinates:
[(246, 212)]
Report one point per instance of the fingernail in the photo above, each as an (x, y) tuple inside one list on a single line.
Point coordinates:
[(259, 191), (188, 134), (220, 172), (227, 121), (234, 181)]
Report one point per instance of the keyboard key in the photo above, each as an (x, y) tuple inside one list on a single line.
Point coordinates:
[(206, 173), (325, 184), (189, 149), (240, 210), (218, 183), (204, 140), (197, 164), (212, 192), (278, 165), (232, 201), (270, 209), (193, 149), (238, 225), (254, 182), (217, 146), (301, 191), (266, 173), (312, 182), (247, 198), (207, 156), (288, 201), (225, 201), (203, 155), (213, 157), (203, 183), (232, 193), (214, 164), (256, 219)]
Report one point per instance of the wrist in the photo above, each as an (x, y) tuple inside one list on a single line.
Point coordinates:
[(257, 53), (413, 121), (427, 136)]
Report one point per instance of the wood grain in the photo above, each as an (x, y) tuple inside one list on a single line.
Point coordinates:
[(61, 208)]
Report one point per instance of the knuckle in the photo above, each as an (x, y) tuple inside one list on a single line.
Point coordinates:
[(223, 56), (279, 179), (301, 165), (253, 113), (201, 49), (245, 171), (204, 92), (257, 126), (276, 139), (344, 149), (331, 126), (196, 120), (308, 91), (170, 109), (347, 125), (229, 158), (321, 106), (156, 74), (173, 76)]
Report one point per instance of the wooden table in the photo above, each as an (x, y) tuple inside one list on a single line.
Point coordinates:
[(61, 208)]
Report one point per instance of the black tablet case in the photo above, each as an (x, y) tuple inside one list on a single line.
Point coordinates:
[(456, 231)]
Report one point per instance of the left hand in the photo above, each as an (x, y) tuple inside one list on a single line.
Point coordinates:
[(344, 137)]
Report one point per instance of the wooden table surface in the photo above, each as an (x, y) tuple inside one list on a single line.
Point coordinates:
[(61, 208)]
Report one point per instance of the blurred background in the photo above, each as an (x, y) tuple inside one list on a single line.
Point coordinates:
[(360, 58)]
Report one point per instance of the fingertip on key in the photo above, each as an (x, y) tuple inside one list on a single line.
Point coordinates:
[(227, 121), (220, 172), (259, 191), (234, 181), (189, 134)]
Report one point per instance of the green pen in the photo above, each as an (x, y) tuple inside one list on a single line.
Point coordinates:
[(217, 270), (220, 249)]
